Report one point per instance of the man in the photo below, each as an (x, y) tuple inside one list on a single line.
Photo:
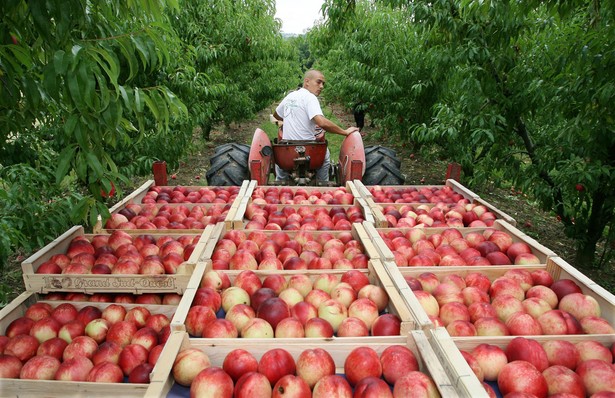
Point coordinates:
[(302, 115)]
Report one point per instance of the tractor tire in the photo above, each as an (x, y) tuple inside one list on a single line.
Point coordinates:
[(382, 167), (229, 165)]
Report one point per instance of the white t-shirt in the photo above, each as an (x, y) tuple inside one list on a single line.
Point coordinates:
[(298, 108)]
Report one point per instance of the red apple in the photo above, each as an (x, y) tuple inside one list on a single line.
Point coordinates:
[(386, 325), (396, 361), (238, 362), (291, 386), (360, 363), (252, 384), (106, 372), (212, 382), (22, 346), (41, 367), (275, 364), (522, 376), (10, 367), (332, 386), (527, 350), (74, 369)]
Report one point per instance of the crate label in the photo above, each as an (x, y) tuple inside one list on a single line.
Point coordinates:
[(79, 282)]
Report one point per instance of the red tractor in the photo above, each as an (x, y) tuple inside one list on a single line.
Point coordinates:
[(233, 163)]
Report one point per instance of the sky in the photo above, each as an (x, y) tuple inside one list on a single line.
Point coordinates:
[(298, 15)]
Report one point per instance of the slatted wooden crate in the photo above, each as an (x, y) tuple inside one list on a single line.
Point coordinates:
[(555, 266), (357, 232), (416, 341), (375, 273), (43, 388), (447, 349), (135, 200), (455, 186), (90, 283), (542, 252)]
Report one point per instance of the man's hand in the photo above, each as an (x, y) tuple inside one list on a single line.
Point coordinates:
[(351, 130)]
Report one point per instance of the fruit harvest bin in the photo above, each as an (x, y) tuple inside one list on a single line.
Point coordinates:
[(557, 268), (307, 194), (213, 202), (37, 281), (358, 233), (452, 189), (378, 236), (448, 350), (416, 341), (375, 274), (388, 215), (56, 388), (266, 216)]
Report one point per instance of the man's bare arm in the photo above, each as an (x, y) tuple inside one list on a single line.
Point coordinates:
[(331, 127)]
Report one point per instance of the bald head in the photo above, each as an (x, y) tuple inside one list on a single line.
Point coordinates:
[(314, 81)]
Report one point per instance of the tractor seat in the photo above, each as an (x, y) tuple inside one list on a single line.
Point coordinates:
[(286, 151)]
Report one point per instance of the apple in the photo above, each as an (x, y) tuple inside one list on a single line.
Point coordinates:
[(520, 348), (275, 364), (506, 305), (597, 376), (257, 328), (208, 297), (504, 285), (10, 367), (397, 360), (252, 384), (22, 346), (81, 346), (212, 382), (141, 374), (157, 322), (248, 281), (561, 380), (453, 311), (372, 387), (290, 296), (188, 364), (491, 359), (273, 310), (333, 312), (238, 362), (45, 329), (559, 322), (386, 325), (107, 352), (234, 295), (216, 280), (523, 324), (579, 305), (332, 386), (64, 313), (563, 287), (97, 329), (220, 328), (53, 347), (352, 327), (239, 315), (40, 367), (74, 369), (138, 315), (121, 333), (561, 353), (318, 327), (344, 293), (415, 384), (521, 376), (147, 337), (275, 282), (543, 293), (291, 386), (590, 349), (198, 318), (360, 363), (106, 372), (289, 327), (303, 311), (517, 248)]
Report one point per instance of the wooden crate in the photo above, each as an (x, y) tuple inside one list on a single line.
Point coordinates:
[(375, 273), (447, 349), (457, 187), (358, 233), (557, 267), (416, 341), (90, 283), (137, 196), (542, 252), (61, 389), (238, 219), (381, 221), (350, 187)]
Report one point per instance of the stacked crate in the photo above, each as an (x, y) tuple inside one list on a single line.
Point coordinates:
[(307, 275), (590, 333), (108, 272)]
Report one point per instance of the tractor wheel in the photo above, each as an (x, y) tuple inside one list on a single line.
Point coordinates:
[(382, 167), (229, 165)]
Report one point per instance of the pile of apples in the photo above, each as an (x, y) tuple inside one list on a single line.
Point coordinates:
[(308, 218), (63, 343), (121, 253), (553, 368), (418, 194), (296, 306), (122, 298), (152, 216), (518, 303), (181, 194), (278, 250), (461, 214), (392, 373), (301, 196), (415, 247)]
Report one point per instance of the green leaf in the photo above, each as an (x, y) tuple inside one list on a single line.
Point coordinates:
[(64, 162), (95, 166)]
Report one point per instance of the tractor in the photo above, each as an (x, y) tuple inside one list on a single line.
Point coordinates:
[(233, 163)]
